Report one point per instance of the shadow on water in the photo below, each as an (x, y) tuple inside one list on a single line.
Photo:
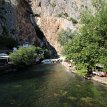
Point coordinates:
[(30, 73)]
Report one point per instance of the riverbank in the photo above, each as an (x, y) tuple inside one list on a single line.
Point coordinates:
[(102, 80), (70, 68)]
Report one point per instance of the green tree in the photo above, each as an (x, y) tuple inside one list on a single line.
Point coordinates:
[(89, 47)]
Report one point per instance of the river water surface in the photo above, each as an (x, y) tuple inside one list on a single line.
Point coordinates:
[(50, 86)]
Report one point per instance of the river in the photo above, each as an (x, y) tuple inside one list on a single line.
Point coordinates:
[(50, 86)]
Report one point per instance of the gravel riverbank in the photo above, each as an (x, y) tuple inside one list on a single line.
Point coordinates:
[(69, 68), (100, 79)]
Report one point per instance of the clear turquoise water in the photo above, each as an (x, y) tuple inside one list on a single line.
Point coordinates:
[(50, 86)]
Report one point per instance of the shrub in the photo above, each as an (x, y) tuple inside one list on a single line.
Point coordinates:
[(25, 56), (64, 36)]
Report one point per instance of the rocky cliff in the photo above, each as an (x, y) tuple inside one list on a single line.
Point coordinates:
[(17, 20), (55, 15), (39, 21)]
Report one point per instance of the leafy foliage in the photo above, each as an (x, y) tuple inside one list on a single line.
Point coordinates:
[(89, 47), (25, 56), (64, 36)]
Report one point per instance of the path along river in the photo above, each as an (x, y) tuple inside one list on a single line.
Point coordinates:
[(50, 86)]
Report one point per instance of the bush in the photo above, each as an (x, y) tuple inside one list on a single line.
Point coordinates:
[(81, 69), (25, 56), (64, 36)]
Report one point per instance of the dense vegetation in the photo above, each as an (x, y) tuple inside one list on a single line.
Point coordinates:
[(26, 56), (89, 46), (65, 36)]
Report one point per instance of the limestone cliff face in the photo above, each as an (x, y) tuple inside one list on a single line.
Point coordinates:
[(17, 19), (56, 14), (25, 29), (39, 21), (7, 16)]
